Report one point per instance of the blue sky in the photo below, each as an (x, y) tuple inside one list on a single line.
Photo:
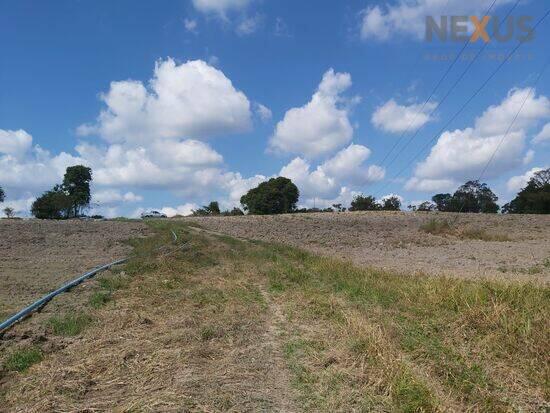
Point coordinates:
[(177, 103)]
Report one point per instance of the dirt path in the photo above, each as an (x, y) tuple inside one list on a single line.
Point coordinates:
[(274, 340), (195, 330)]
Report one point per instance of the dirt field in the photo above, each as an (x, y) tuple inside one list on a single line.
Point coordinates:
[(395, 241), (38, 256), (209, 323)]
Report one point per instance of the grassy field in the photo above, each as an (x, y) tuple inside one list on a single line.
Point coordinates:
[(214, 323)]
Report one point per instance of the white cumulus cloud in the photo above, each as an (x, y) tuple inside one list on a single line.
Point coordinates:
[(407, 17), (463, 153), (543, 135), (393, 117), (25, 167), (319, 127), (112, 196), (190, 100), (345, 169)]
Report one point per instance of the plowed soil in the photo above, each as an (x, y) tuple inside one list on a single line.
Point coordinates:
[(38, 256), (397, 242)]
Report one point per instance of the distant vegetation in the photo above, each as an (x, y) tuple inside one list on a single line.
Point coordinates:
[(369, 203), (276, 196), (534, 198), (280, 195), (9, 212), (213, 209), (67, 200)]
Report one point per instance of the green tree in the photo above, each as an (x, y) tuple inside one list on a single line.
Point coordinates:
[(364, 203), (442, 202), (534, 198), (213, 208), (2, 195), (53, 204), (234, 212), (474, 197), (391, 203), (276, 196), (76, 183), (425, 206), (9, 212), (470, 197)]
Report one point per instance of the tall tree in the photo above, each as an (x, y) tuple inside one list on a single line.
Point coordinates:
[(474, 197), (442, 202), (276, 196), (76, 183), (2, 195), (534, 198), (470, 197)]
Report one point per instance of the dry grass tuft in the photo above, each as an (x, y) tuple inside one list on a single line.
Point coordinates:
[(445, 227)]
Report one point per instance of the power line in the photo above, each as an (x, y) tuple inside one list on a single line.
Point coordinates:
[(466, 103), (527, 96), (437, 87)]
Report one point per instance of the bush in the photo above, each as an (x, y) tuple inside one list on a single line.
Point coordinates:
[(391, 203), (213, 208), (425, 206), (364, 203), (436, 227), (234, 212), (276, 196), (54, 204)]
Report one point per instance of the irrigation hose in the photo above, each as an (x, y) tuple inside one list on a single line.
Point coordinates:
[(27, 311)]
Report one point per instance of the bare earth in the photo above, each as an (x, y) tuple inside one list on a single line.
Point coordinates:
[(395, 241), (39, 256)]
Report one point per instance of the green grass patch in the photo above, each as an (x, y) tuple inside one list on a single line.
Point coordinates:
[(411, 396), (70, 324), (113, 282), (437, 226), (99, 299), (20, 360)]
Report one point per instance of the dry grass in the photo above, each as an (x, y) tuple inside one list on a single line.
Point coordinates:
[(218, 324), (446, 227)]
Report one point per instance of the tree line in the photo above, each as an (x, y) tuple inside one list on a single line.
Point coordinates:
[(280, 195)]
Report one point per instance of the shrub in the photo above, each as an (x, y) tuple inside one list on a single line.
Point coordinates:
[(364, 203), (436, 226), (391, 203)]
